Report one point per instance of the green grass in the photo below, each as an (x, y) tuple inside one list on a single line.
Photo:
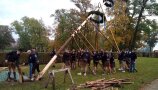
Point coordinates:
[(147, 72)]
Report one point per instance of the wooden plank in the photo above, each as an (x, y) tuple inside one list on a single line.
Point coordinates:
[(60, 70)]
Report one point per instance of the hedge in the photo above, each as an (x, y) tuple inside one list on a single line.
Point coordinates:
[(44, 58)]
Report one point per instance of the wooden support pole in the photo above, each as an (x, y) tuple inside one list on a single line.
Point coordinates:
[(62, 47), (53, 82), (70, 76)]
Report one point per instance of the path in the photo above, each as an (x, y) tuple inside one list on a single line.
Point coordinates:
[(152, 86)]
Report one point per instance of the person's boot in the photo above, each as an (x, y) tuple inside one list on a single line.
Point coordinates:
[(8, 79), (14, 76)]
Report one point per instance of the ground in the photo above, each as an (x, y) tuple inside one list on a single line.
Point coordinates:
[(147, 72)]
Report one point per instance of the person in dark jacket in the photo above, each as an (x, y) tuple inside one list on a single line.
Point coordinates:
[(133, 57), (35, 62), (120, 59), (106, 62), (73, 59), (112, 62), (127, 58), (30, 63), (32, 58), (52, 53), (79, 57), (123, 59), (12, 58), (96, 58), (86, 60), (66, 59)]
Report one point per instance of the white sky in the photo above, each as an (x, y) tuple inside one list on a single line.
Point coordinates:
[(11, 10)]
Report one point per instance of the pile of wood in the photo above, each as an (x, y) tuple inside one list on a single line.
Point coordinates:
[(102, 84)]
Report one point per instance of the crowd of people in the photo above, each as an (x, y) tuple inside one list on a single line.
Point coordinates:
[(103, 58), (76, 58)]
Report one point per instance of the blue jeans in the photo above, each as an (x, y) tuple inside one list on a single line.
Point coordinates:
[(31, 67), (132, 66)]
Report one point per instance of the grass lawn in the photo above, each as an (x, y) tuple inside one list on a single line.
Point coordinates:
[(147, 72)]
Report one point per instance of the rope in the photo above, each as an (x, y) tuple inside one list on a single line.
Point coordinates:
[(111, 32), (83, 42), (76, 42), (87, 40), (104, 36)]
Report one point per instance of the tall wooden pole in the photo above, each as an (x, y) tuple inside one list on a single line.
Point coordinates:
[(62, 47)]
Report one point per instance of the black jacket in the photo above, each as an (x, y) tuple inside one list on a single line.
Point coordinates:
[(86, 55), (12, 56), (32, 58), (133, 56)]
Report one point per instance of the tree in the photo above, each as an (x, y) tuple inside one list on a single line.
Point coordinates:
[(32, 33), (140, 10), (120, 25), (5, 37), (150, 31), (69, 20)]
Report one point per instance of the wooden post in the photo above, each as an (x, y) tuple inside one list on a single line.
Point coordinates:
[(52, 76), (53, 82), (70, 76)]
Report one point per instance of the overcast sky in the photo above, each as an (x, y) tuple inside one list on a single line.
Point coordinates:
[(11, 10)]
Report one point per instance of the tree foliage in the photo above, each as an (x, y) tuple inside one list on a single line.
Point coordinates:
[(5, 37), (69, 20), (128, 22), (32, 33), (141, 9)]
